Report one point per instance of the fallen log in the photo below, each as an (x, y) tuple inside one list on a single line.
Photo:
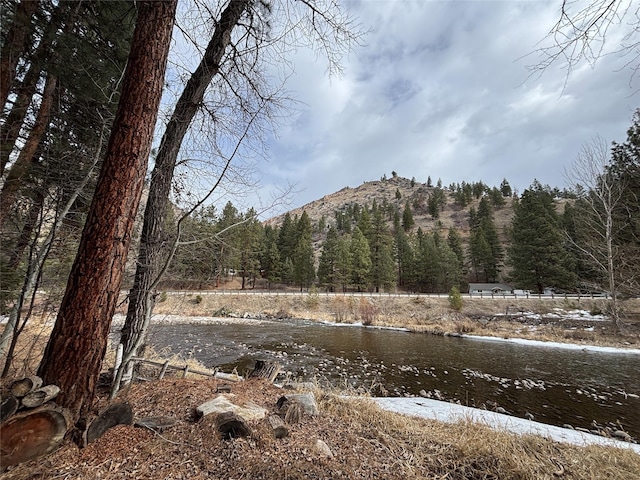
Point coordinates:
[(21, 387), (231, 426), (165, 365), (115, 414), (33, 433), (268, 370), (40, 396), (10, 405), (278, 426)]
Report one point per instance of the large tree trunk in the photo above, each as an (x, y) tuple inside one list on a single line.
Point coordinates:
[(152, 238), (16, 44), (74, 353)]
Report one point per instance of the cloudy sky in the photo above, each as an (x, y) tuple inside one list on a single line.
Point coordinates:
[(441, 89)]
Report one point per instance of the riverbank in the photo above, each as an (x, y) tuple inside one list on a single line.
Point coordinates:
[(572, 321), (357, 440), (364, 440)]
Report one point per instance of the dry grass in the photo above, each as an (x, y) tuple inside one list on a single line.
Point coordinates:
[(487, 317), (365, 442)]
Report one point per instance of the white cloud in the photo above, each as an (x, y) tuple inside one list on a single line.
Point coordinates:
[(441, 89)]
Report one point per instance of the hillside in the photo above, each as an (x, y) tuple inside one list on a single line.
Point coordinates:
[(416, 193)]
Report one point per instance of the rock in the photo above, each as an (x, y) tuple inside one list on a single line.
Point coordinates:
[(222, 404), (306, 400), (501, 410), (422, 393), (622, 435), (323, 449)]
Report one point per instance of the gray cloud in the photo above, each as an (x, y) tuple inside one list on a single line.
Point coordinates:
[(441, 89)]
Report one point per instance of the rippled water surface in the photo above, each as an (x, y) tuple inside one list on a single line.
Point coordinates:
[(555, 385)]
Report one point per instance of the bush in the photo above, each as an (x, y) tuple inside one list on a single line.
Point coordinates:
[(455, 299), (368, 312), (197, 300)]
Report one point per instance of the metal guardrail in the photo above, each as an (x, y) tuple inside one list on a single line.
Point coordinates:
[(481, 296)]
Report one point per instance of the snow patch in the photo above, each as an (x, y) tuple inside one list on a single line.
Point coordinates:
[(566, 346), (452, 413)]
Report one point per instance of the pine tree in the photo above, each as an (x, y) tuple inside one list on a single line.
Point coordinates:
[(485, 251), (270, 261), (287, 237), (505, 188), (380, 244), (303, 260), (343, 263), (249, 235), (407, 218), (537, 252), (361, 260), (454, 240), (73, 356), (328, 265), (404, 259)]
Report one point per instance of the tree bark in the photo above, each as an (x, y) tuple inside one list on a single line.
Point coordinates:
[(278, 426), (151, 242), (74, 353)]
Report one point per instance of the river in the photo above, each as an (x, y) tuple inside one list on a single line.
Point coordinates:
[(549, 384)]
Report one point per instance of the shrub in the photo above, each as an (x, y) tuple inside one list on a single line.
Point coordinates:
[(596, 310), (455, 299), (340, 308), (368, 312)]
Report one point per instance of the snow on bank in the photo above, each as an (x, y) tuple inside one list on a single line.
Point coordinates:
[(566, 346), (451, 413), (559, 314)]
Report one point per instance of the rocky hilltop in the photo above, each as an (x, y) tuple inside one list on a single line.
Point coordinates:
[(397, 191)]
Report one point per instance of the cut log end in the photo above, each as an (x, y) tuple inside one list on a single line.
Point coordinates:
[(33, 433), (21, 387), (40, 396)]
